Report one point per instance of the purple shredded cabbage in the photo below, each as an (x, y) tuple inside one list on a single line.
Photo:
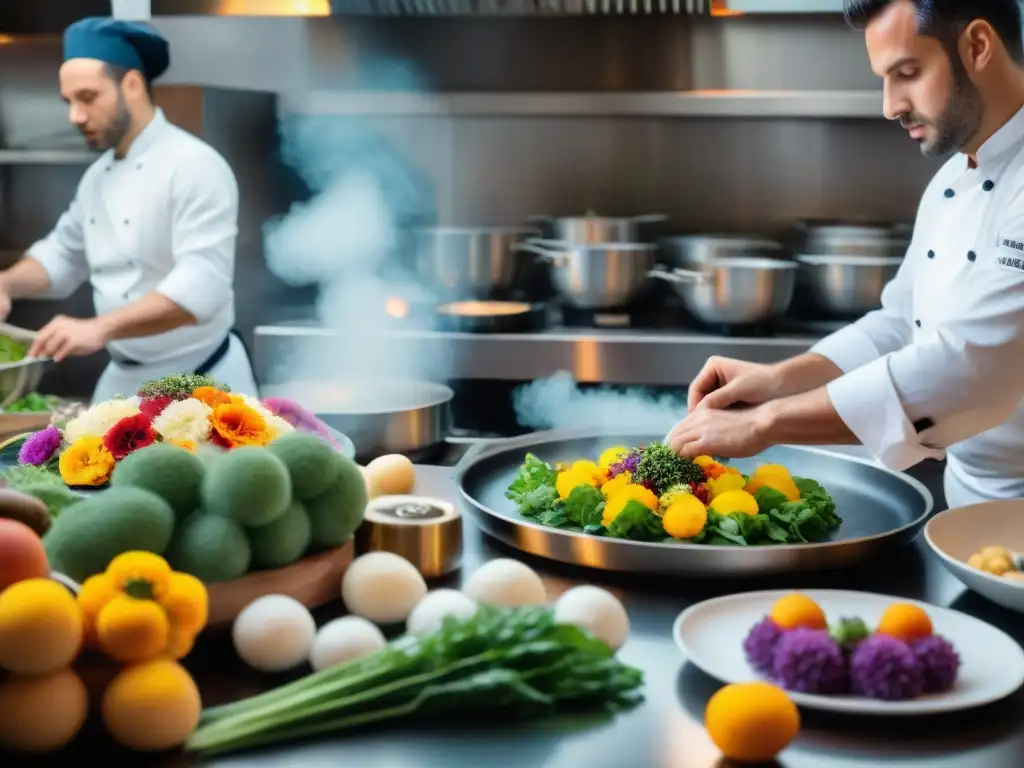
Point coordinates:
[(939, 661), (882, 667), (41, 447), (759, 645), (628, 463), (810, 661)]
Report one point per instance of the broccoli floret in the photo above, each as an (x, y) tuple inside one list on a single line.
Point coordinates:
[(673, 493), (660, 467)]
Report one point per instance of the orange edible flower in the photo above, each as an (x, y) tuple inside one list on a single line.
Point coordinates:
[(211, 396), (236, 424), (86, 462)]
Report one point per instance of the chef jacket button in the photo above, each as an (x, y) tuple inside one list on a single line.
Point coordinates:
[(138, 166), (971, 255), (92, 220), (949, 193), (107, 168), (125, 295), (931, 254), (917, 323), (988, 185), (126, 221)]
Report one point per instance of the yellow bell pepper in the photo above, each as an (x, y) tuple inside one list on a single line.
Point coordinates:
[(776, 477), (618, 500), (618, 482), (685, 518), (727, 481), (734, 501), (570, 479), (139, 609)]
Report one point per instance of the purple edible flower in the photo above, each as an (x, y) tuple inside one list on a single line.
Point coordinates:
[(882, 667), (759, 645), (810, 661), (628, 463), (299, 417), (939, 661), (39, 448)]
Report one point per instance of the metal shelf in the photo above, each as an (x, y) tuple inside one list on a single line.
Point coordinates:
[(46, 157), (709, 103)]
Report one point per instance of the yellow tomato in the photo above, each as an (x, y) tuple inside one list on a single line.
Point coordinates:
[(620, 498), (685, 517), (725, 482), (703, 461), (771, 470), (621, 480), (783, 485), (734, 501), (571, 479), (611, 455)]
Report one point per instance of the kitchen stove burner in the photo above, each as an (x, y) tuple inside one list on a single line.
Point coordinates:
[(653, 318)]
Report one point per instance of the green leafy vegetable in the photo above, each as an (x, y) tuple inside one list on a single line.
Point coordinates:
[(11, 351), (636, 522), (662, 468), (510, 663), (585, 506), (33, 402)]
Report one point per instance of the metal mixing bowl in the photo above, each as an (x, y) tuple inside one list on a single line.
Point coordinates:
[(845, 286)]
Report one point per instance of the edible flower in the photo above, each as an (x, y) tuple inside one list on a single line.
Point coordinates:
[(685, 517), (139, 609), (611, 456), (129, 434), (618, 500), (154, 406), (236, 424), (776, 477), (41, 447), (728, 481), (86, 462), (734, 501), (97, 421), (212, 396), (185, 421)]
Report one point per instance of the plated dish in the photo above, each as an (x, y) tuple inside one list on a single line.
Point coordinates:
[(853, 652), (650, 494)]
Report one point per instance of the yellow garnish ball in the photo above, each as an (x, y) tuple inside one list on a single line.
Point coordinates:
[(734, 501), (771, 470), (685, 517), (728, 481), (618, 500), (611, 455), (621, 480), (704, 461), (566, 481)]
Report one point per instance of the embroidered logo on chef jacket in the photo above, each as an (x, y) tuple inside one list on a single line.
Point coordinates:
[(1011, 253)]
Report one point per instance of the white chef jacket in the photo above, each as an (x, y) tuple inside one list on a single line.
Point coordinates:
[(938, 371), (163, 218)]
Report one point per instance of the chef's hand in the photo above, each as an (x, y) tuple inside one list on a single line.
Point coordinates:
[(5, 304), (734, 434), (723, 382), (65, 336)]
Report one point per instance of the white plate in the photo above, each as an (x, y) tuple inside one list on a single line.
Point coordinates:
[(711, 635)]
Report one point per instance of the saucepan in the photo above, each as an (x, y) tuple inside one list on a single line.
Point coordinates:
[(379, 415), (845, 286), (734, 290), (599, 276), (687, 251), (595, 230), (471, 262)]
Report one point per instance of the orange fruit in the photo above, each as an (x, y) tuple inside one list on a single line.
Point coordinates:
[(798, 610), (751, 722), (906, 622)]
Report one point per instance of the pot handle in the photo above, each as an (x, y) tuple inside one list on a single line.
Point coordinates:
[(544, 249), (650, 218), (677, 275)]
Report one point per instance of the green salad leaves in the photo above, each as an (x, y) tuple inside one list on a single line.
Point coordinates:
[(811, 518)]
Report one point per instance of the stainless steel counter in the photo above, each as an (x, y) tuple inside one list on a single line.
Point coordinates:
[(626, 356), (666, 731)]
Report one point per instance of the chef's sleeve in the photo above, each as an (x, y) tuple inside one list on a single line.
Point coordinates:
[(965, 378), (62, 254), (877, 333), (204, 222)]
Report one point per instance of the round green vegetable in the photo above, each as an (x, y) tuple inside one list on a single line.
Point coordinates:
[(211, 547), (337, 512), (90, 533), (248, 484), (170, 472), (282, 541), (312, 463)]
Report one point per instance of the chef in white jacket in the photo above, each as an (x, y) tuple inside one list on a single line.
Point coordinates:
[(152, 227), (938, 371)]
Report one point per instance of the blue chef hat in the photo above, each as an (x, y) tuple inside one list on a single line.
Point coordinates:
[(120, 43)]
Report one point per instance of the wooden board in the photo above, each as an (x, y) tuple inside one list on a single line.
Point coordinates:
[(313, 581)]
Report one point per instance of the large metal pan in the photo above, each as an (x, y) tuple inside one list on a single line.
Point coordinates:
[(380, 416), (597, 230), (880, 510), (471, 262), (845, 286)]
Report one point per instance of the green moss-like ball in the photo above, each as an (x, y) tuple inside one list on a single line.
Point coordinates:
[(337, 512), (281, 542), (312, 463), (211, 547), (172, 473), (90, 533), (248, 484)]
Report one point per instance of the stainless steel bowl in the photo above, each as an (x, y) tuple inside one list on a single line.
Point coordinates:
[(471, 262), (845, 286), (842, 239), (596, 230), (20, 378), (604, 276), (734, 290), (685, 251)]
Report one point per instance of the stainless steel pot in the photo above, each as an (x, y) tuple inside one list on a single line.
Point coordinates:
[(845, 286), (845, 239), (734, 290), (379, 416), (596, 230), (471, 262), (687, 251), (603, 276)]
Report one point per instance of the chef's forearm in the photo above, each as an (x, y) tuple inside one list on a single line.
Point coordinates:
[(805, 419), (25, 279), (154, 313), (804, 373)]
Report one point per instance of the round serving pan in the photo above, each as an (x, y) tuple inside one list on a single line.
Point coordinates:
[(491, 316), (880, 510), (380, 416)]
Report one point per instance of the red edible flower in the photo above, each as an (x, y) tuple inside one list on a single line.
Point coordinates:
[(129, 434), (154, 406), (700, 491)]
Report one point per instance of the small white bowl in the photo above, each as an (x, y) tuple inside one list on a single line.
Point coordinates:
[(956, 534)]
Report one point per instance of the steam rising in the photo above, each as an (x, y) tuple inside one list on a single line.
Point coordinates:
[(558, 403)]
